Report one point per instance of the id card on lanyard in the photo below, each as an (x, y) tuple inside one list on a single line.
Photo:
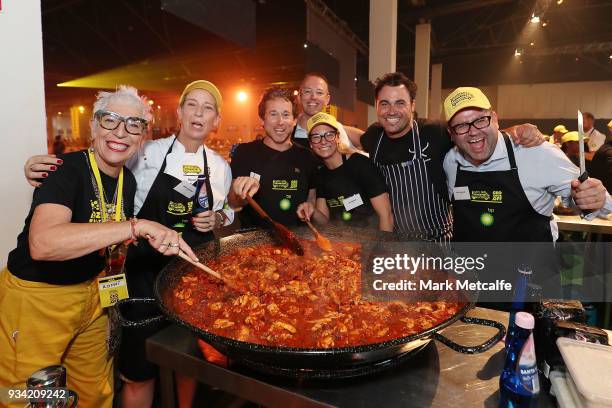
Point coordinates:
[(111, 288)]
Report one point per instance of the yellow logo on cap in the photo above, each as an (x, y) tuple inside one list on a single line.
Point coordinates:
[(461, 96)]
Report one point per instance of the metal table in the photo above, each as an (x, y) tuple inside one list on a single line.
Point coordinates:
[(437, 376)]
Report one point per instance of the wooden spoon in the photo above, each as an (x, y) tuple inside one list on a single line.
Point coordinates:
[(210, 271), (287, 237), (322, 242)]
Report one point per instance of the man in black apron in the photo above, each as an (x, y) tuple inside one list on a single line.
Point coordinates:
[(498, 194), (410, 157)]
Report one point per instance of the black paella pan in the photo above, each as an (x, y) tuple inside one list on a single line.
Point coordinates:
[(289, 360)]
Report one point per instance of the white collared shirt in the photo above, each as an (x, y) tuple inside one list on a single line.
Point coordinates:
[(148, 161), (544, 171), (596, 139)]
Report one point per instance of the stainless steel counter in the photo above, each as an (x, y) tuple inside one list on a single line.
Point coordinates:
[(437, 376)]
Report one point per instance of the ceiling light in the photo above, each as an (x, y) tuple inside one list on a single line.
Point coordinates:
[(518, 52), (532, 43), (151, 102), (559, 1), (544, 24), (611, 57), (535, 19), (305, 45), (81, 109), (241, 96)]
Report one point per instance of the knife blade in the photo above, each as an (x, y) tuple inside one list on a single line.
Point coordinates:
[(583, 173)]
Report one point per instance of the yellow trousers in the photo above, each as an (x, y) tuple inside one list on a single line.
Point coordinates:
[(43, 325)]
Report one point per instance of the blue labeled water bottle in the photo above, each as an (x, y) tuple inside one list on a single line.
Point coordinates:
[(200, 199), (519, 295), (519, 384)]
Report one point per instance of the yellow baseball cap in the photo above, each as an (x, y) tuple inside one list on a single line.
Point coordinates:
[(207, 86), (464, 97), (572, 137), (610, 124), (321, 118), (560, 128)]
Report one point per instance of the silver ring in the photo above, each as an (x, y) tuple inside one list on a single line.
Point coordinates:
[(174, 245)]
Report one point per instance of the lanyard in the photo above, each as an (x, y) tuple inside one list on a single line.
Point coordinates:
[(101, 197)]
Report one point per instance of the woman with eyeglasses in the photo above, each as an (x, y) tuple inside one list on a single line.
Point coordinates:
[(349, 187), (52, 309), (166, 170)]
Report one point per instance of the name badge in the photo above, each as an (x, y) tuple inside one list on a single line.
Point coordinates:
[(255, 176), (112, 289), (461, 193), (186, 189), (351, 202)]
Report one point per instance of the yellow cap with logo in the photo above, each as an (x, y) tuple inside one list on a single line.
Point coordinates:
[(322, 118), (560, 129), (206, 86), (464, 97)]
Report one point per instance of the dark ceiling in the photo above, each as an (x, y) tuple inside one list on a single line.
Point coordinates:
[(474, 39)]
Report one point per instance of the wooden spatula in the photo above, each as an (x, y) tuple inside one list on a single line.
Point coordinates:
[(287, 237), (322, 241), (210, 271)]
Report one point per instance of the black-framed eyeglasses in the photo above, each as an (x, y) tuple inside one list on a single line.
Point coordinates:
[(480, 123), (111, 121), (316, 138)]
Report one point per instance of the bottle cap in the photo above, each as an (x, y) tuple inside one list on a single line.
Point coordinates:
[(525, 269), (524, 320)]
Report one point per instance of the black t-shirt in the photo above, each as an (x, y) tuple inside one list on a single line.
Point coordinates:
[(435, 143), (284, 177), (71, 186), (357, 175)]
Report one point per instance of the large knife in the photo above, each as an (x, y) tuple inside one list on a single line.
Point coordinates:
[(583, 173)]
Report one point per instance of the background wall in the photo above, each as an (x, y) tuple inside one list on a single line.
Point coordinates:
[(22, 112)]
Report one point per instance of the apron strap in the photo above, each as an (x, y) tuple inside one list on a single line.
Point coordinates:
[(382, 134), (510, 151), (207, 179)]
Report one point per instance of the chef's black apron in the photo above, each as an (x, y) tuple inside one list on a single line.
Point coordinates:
[(499, 211), (418, 208), (170, 208)]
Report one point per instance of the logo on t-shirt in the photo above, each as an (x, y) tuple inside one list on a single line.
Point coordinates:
[(96, 213), (335, 202), (285, 185)]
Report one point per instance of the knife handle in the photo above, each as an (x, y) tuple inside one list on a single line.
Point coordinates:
[(582, 179)]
